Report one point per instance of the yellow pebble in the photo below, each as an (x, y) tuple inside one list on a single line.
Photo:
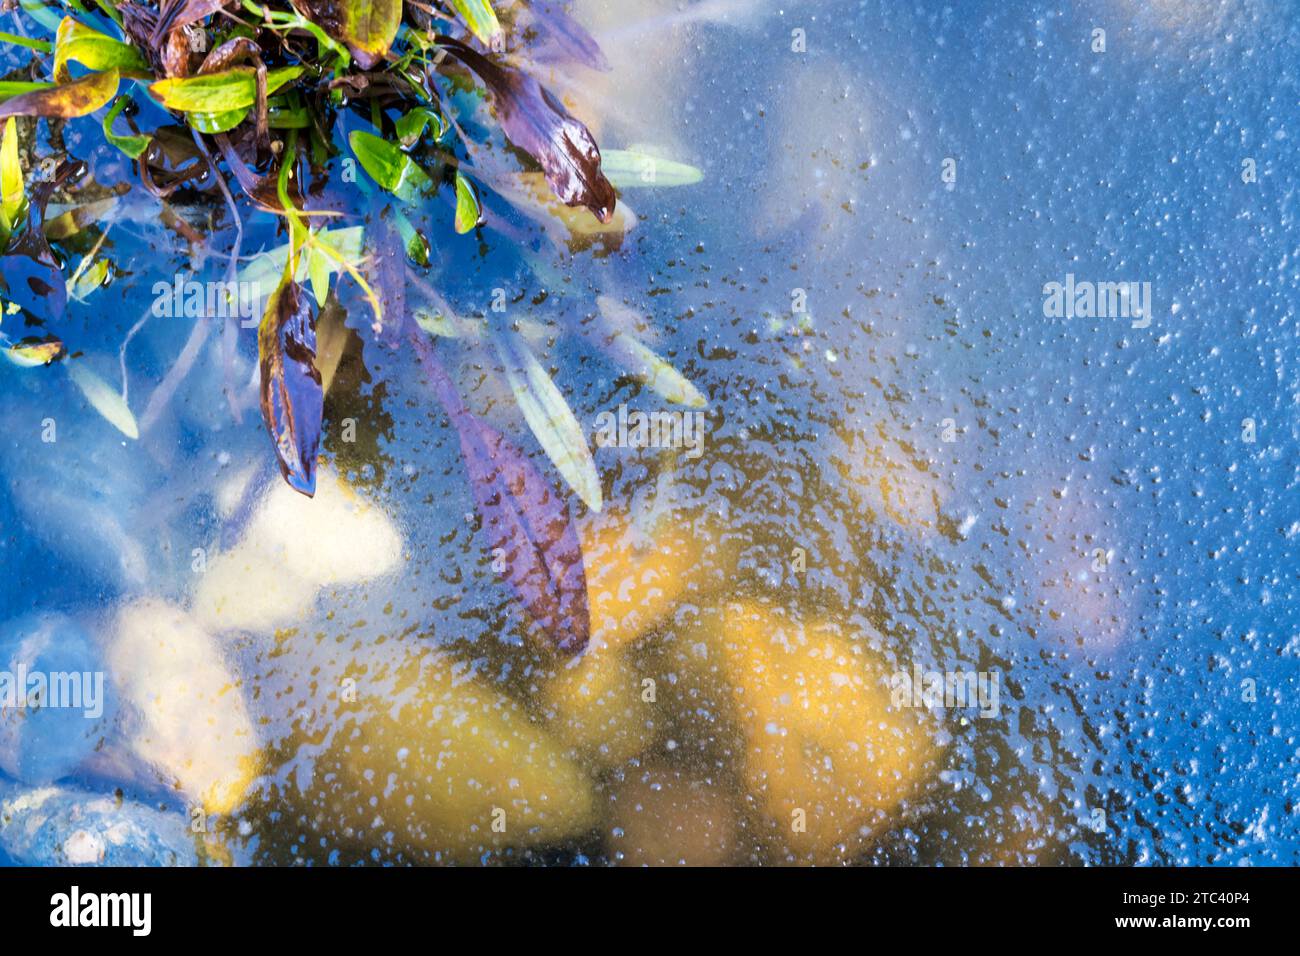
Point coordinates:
[(826, 757), (443, 767), (601, 706), (633, 580)]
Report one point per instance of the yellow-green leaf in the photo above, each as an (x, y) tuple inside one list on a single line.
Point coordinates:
[(67, 100), (79, 43), (549, 416), (468, 213), (264, 272), (220, 92), (11, 88), (86, 280), (481, 19), (217, 122), (31, 352), (319, 267), (368, 27), (642, 363), (12, 196)]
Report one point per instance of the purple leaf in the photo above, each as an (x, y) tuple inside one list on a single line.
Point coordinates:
[(292, 398), (524, 517), (569, 38), (536, 122), (386, 266)]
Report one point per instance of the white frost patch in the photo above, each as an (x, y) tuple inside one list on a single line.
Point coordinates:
[(83, 848)]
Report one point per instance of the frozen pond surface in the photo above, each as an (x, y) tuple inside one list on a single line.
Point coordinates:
[(910, 463)]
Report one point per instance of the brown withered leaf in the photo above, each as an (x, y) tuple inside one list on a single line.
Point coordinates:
[(78, 98), (292, 396), (536, 122)]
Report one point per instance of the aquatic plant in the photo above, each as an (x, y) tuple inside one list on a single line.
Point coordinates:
[(256, 92)]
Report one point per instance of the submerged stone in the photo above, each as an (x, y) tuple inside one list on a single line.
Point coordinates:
[(58, 826), (441, 766), (292, 548), (827, 759), (188, 722)]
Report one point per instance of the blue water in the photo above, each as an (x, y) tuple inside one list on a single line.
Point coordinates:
[(824, 172)]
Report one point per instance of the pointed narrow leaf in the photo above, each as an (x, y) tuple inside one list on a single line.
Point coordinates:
[(103, 399), (264, 270), (78, 98), (12, 88), (628, 169), (528, 524), (292, 396), (481, 19), (318, 268), (644, 364), (551, 419)]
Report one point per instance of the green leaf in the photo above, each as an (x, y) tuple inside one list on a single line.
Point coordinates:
[(318, 266), (481, 19), (627, 169), (551, 419), (284, 116), (392, 169), (217, 122), (12, 88), (219, 92), (266, 269), (13, 198), (417, 247), (134, 146), (468, 213), (40, 46), (79, 43), (103, 399), (78, 98), (411, 126)]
